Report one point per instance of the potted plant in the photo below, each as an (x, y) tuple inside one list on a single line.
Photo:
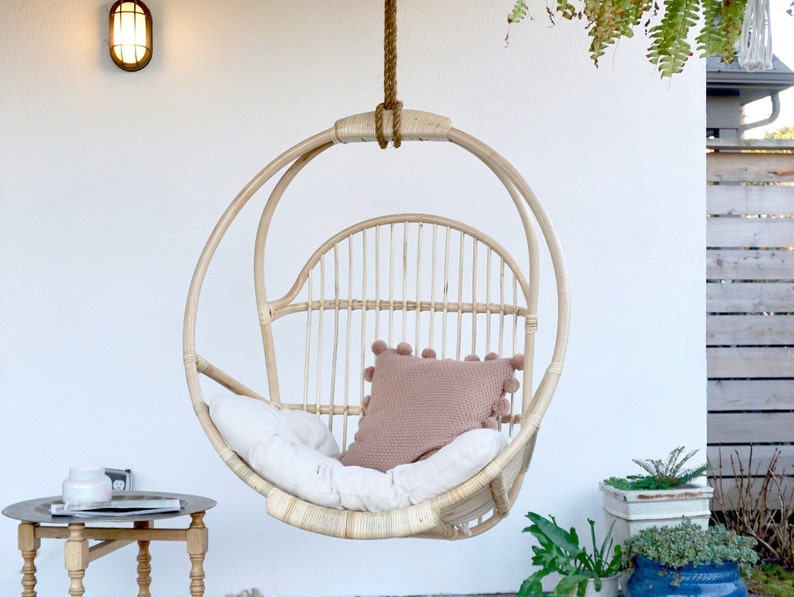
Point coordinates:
[(583, 573), (686, 559), (664, 495)]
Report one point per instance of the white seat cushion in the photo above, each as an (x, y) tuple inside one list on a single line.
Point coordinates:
[(296, 452)]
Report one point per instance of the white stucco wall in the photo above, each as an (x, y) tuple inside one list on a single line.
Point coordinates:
[(110, 183)]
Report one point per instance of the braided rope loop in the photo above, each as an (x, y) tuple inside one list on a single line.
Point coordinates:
[(390, 101)]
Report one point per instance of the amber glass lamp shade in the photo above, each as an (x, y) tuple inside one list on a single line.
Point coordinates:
[(130, 34)]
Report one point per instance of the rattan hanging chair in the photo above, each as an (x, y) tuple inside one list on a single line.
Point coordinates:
[(393, 280), (419, 278)]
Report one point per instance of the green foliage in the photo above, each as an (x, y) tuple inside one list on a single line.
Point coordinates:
[(771, 580), (519, 12), (670, 47), (661, 474), (608, 21), (726, 18), (687, 543), (787, 132), (558, 551)]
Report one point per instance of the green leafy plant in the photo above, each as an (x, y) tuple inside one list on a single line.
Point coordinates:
[(771, 580), (661, 474), (787, 132), (607, 21), (688, 543), (558, 551)]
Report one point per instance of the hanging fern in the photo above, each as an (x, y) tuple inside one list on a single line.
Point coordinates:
[(670, 48), (610, 20), (568, 10), (726, 18), (518, 13)]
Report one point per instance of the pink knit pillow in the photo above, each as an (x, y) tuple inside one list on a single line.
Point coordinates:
[(418, 405)]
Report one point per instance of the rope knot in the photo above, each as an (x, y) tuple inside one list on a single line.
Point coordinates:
[(396, 124)]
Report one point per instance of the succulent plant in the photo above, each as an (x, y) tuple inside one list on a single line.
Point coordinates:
[(688, 543)]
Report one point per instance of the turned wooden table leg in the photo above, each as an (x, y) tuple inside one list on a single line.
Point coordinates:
[(197, 544), (144, 563), (28, 544), (75, 556)]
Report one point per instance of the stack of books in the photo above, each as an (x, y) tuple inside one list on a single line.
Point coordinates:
[(117, 507)]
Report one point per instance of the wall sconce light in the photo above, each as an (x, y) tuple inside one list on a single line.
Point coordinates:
[(130, 34)]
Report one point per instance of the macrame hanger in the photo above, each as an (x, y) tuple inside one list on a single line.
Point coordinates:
[(390, 101), (755, 49)]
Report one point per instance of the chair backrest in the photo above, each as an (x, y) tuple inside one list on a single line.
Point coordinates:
[(417, 278)]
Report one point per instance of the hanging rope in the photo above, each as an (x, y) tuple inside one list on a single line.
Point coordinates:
[(755, 44), (390, 101)]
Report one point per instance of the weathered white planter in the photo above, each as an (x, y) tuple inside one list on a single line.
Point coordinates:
[(609, 588), (633, 511)]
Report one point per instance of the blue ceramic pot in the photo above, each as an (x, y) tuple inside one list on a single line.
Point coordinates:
[(650, 579)]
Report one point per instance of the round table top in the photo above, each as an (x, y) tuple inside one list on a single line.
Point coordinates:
[(38, 510)]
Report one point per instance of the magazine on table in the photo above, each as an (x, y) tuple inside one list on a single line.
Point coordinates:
[(132, 507)]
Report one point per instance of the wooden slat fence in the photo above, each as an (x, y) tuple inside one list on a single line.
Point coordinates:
[(750, 303)]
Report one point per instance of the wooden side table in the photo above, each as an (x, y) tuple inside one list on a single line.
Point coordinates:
[(37, 523)]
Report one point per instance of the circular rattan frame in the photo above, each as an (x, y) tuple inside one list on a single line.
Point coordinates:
[(495, 488)]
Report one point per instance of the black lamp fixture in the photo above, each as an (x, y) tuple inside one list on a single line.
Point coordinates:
[(130, 34)]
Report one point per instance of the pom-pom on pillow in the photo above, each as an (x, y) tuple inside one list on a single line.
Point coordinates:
[(418, 405)]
